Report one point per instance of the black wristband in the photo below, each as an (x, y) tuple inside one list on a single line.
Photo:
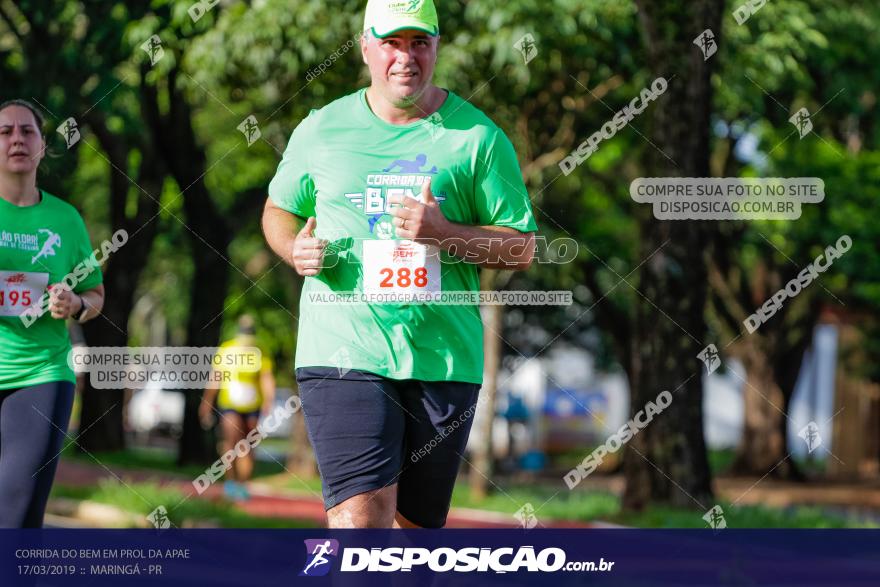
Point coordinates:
[(82, 308)]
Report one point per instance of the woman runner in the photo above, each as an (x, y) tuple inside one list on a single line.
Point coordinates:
[(42, 240)]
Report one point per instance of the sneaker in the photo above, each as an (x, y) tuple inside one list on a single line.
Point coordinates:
[(230, 490)]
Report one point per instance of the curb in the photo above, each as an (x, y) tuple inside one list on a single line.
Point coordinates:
[(72, 513), (94, 514)]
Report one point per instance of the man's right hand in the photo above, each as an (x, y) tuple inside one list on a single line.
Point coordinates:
[(308, 250)]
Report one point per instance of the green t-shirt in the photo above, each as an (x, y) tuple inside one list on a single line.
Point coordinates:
[(340, 165), (39, 245)]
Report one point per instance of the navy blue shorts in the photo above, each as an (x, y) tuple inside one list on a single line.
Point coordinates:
[(253, 414), (370, 432)]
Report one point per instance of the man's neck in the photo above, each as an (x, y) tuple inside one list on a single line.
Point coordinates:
[(426, 104), (19, 190)]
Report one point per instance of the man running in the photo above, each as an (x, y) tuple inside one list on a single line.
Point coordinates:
[(408, 179)]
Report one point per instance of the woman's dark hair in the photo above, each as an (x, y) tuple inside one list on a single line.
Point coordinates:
[(25, 104)]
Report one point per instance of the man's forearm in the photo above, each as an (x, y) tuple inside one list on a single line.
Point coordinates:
[(280, 228), (490, 247)]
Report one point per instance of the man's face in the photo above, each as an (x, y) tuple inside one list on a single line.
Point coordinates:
[(21, 145), (401, 65)]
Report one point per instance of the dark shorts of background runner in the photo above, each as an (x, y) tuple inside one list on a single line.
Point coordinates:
[(369, 432), (252, 414)]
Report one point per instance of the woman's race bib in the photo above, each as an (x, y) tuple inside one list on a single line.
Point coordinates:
[(19, 290)]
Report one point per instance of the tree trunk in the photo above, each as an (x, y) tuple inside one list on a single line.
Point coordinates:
[(301, 459), (482, 462), (206, 302), (100, 421), (763, 438), (101, 416), (772, 360), (666, 463), (771, 355), (209, 232)]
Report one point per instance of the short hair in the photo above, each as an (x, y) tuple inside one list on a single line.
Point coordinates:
[(246, 325), (38, 117)]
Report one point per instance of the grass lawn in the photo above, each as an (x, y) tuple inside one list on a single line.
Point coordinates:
[(157, 459), (603, 506), (142, 498), (551, 502)]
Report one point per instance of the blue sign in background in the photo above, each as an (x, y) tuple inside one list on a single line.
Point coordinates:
[(277, 557)]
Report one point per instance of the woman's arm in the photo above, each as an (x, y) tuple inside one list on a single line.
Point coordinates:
[(64, 303)]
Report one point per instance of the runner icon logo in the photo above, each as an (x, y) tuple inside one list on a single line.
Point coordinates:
[(317, 561), (48, 250), (710, 358), (706, 43)]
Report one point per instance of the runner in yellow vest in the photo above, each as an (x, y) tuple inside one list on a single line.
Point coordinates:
[(244, 394)]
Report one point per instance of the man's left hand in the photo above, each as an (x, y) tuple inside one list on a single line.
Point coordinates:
[(419, 220)]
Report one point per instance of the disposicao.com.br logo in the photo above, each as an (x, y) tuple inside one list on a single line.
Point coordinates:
[(317, 559), (441, 560)]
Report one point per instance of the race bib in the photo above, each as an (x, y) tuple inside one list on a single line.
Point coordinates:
[(401, 270), (19, 290), (242, 394)]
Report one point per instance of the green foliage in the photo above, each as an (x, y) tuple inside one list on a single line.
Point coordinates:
[(246, 58)]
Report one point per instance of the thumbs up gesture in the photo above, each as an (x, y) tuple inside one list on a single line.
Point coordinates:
[(308, 250), (419, 220)]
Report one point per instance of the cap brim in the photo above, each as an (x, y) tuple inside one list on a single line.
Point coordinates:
[(403, 27)]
